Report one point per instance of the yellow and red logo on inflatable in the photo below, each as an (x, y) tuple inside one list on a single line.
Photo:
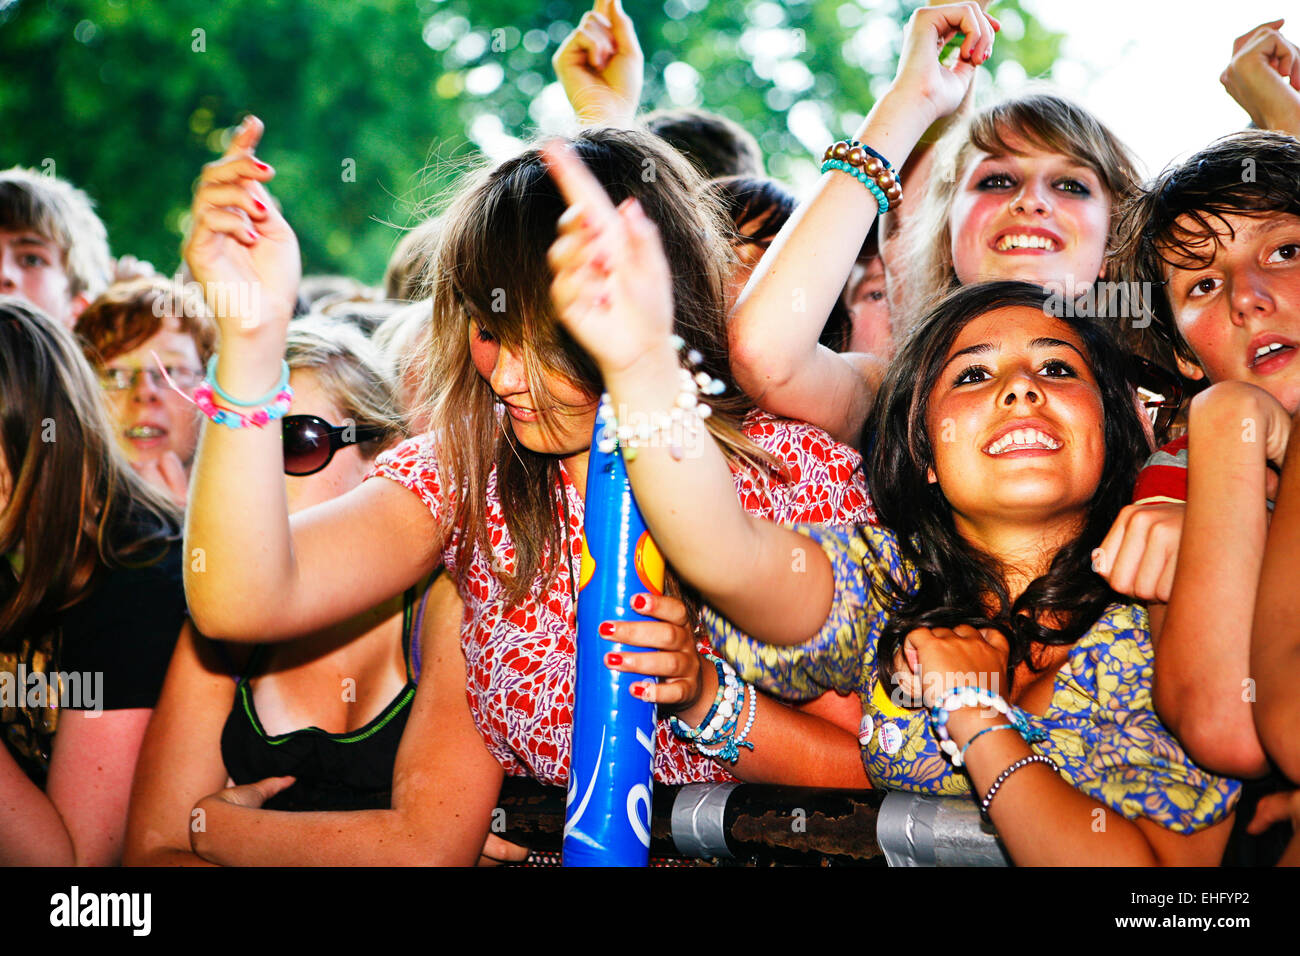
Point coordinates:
[(647, 560)]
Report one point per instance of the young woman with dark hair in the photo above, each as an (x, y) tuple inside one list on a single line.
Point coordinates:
[(1007, 440)]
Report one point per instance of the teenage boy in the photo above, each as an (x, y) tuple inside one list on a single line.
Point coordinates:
[(1220, 235), (53, 248)]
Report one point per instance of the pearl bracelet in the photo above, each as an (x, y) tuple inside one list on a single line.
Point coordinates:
[(729, 749), (724, 705), (972, 697), (685, 419)]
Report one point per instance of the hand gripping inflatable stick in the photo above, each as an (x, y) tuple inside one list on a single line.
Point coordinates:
[(607, 808)]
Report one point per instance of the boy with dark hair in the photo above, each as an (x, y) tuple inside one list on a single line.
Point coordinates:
[(1220, 235), (53, 248)]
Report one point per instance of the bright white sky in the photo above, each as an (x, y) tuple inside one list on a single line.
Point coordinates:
[(1150, 68)]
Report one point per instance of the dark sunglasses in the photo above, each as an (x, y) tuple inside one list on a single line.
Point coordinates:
[(310, 442), (1160, 390)]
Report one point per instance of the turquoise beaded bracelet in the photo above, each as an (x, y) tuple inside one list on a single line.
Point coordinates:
[(882, 201)]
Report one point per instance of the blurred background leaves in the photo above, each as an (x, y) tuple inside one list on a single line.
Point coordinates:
[(372, 107)]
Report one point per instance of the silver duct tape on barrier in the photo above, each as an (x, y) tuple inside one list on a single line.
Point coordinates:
[(699, 820), (919, 830)]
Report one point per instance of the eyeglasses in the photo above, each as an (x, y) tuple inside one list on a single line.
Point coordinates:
[(121, 379), (310, 442), (1159, 390)]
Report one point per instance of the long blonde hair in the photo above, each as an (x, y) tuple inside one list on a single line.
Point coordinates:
[(489, 264), (1039, 118)]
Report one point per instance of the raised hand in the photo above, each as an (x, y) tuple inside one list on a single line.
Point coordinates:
[(939, 88), (1263, 76), (601, 67), (612, 288), (239, 246)]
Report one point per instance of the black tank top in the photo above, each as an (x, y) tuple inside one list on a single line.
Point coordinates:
[(346, 771)]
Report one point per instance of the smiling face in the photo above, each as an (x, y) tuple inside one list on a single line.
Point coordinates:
[(1015, 422), (1240, 311), (151, 418), (573, 412), (31, 267), (1033, 215)]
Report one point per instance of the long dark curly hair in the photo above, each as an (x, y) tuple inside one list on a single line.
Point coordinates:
[(957, 583)]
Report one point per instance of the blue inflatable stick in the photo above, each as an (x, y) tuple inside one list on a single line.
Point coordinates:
[(607, 811)]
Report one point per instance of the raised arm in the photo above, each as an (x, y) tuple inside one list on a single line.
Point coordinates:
[(1204, 684), (601, 67), (250, 573), (612, 290), (1263, 76), (779, 316), (1275, 641)]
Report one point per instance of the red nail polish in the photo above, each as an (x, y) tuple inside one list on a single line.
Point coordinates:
[(613, 660), (261, 165), (261, 206), (606, 628), (640, 603), (637, 690)]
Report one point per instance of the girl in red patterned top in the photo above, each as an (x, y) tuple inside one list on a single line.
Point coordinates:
[(498, 497)]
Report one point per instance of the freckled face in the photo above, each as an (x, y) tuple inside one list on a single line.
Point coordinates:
[(1015, 420), (1240, 313), (151, 418), (1039, 217), (503, 369), (868, 305)]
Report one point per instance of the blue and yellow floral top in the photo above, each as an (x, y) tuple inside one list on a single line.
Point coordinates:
[(1102, 730)]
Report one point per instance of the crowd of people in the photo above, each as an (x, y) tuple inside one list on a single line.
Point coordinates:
[(291, 564)]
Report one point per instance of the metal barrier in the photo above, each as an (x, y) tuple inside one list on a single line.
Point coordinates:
[(755, 824)]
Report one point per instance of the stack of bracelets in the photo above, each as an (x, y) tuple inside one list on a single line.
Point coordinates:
[(686, 418), (869, 168), (979, 697), (718, 728), (274, 404)]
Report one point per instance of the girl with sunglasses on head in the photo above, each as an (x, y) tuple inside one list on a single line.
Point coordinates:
[(495, 491), (1006, 441), (1025, 189), (90, 603), (320, 717)]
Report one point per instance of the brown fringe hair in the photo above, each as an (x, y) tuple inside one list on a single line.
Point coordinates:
[(130, 313)]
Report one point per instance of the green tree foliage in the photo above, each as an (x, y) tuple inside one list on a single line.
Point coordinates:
[(374, 106)]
